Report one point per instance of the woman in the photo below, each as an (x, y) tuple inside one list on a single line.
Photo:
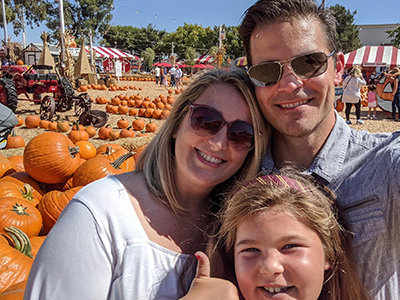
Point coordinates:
[(352, 93), (132, 236)]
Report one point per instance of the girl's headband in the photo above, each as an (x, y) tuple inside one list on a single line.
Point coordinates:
[(281, 181)]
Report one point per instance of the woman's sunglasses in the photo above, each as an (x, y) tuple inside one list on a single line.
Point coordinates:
[(305, 66), (207, 121)]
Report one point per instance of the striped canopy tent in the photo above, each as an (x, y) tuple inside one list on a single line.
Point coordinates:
[(373, 56), (240, 61), (105, 52), (204, 59)]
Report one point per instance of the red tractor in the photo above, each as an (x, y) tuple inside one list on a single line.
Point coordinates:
[(38, 80)]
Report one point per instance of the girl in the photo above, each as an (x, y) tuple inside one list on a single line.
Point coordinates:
[(280, 238), (371, 101)]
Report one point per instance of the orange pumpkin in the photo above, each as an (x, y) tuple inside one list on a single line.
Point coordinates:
[(21, 178), (53, 204), (104, 132), (15, 141), (127, 132), (51, 157), (78, 134), (44, 124), (18, 161), (122, 123), (138, 124), (62, 126), (151, 127), (15, 264), (21, 214), (86, 149), (32, 121), (15, 291), (21, 190), (20, 121), (6, 166), (91, 130)]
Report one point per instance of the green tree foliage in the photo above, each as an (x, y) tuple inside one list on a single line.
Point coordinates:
[(347, 31), (148, 57), (190, 56), (35, 12), (133, 38), (80, 16), (394, 36), (232, 42)]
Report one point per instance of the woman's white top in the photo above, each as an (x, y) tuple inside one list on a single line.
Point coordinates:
[(352, 89), (98, 249)]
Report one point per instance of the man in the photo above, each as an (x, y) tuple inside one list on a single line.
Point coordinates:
[(295, 63), (172, 72), (178, 76), (157, 74)]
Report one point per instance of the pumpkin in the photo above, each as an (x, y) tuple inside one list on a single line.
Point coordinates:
[(16, 261), (151, 127), (104, 132), (86, 149), (77, 126), (133, 111), (20, 122), (78, 134), (138, 124), (165, 114), (52, 205), (52, 126), (21, 178), (21, 214), (113, 154), (32, 121), (138, 151), (14, 292), (6, 166), (44, 124), (122, 123), (36, 243), (19, 189), (113, 135), (98, 167), (51, 157), (127, 132), (20, 62), (18, 161), (62, 126), (15, 141), (91, 130)]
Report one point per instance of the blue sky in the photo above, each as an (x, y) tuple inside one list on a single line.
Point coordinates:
[(170, 14)]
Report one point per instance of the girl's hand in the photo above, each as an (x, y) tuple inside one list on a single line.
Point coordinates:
[(204, 287)]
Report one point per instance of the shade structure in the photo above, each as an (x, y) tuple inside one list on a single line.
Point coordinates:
[(240, 61), (203, 66), (82, 65), (105, 52), (204, 59), (373, 56), (46, 58)]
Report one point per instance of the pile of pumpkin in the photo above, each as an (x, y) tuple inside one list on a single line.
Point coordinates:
[(364, 95), (136, 105), (34, 189), (112, 87)]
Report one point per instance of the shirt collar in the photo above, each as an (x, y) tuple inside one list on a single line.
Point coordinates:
[(329, 161)]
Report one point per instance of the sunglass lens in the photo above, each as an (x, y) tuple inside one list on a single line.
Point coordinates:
[(205, 121), (265, 74), (241, 136), (310, 65)]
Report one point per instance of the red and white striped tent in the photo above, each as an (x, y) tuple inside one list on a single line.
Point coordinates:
[(373, 56), (108, 56), (204, 59)]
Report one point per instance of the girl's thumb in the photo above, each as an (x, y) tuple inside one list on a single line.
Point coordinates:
[(203, 265)]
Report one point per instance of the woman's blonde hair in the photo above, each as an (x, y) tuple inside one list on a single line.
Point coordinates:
[(157, 161), (311, 205), (355, 72)]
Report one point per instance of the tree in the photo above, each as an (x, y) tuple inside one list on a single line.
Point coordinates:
[(394, 36), (347, 31), (148, 57), (233, 44), (190, 56), (79, 17), (34, 12)]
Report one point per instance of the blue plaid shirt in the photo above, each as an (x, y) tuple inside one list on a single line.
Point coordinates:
[(363, 170)]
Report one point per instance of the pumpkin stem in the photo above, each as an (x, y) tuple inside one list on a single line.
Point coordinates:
[(27, 192), (21, 240), (118, 162), (19, 209), (73, 151)]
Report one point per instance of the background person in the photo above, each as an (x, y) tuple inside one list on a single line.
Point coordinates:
[(352, 93), (133, 236), (297, 98), (157, 74), (372, 101)]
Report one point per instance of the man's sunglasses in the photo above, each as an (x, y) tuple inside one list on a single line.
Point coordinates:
[(305, 66), (207, 121)]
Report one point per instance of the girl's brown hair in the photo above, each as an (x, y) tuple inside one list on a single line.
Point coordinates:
[(314, 208)]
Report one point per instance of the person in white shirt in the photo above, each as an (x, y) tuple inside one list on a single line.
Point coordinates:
[(157, 74), (172, 72)]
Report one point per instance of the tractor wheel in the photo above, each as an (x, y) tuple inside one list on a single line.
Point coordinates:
[(47, 108), (8, 93), (67, 86)]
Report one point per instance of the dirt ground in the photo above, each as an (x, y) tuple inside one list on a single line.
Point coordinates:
[(152, 90)]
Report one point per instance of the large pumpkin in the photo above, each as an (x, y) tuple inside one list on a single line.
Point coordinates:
[(23, 177), (21, 190), (15, 265), (52, 205), (51, 157), (6, 166), (14, 292), (21, 214)]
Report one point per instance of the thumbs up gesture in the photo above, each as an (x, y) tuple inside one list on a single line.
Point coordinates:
[(205, 287)]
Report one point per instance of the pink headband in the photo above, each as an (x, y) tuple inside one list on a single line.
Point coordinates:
[(279, 180)]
